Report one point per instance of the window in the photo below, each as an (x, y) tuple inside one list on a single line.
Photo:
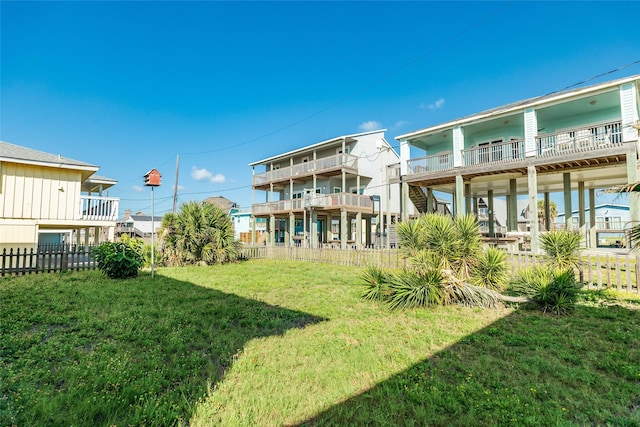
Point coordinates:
[(337, 189)]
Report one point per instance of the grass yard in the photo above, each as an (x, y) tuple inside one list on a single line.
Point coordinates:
[(271, 343)]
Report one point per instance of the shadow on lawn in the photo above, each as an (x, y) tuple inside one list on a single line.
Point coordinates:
[(99, 352), (529, 368)]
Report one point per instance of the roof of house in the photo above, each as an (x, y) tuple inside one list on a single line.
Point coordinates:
[(309, 148), (18, 154), (601, 206), (221, 202), (521, 105)]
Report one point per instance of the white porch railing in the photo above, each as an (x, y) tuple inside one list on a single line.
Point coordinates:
[(494, 153), (97, 208), (435, 163), (578, 140)]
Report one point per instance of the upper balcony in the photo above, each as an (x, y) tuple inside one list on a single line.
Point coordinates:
[(326, 202), (580, 143), (97, 208), (326, 166)]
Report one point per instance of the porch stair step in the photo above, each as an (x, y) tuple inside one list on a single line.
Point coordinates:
[(418, 197)]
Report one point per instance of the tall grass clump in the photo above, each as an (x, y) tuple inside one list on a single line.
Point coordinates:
[(446, 262)]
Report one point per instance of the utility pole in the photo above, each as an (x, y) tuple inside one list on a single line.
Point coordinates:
[(175, 187)]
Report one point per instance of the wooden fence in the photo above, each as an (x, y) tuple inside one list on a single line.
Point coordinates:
[(601, 271), (46, 259)]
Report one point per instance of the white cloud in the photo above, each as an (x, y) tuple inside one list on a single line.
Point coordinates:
[(205, 175), (400, 123), (137, 188), (434, 105), (370, 125)]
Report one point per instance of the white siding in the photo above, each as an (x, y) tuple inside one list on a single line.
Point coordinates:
[(458, 145), (628, 105), (530, 131)]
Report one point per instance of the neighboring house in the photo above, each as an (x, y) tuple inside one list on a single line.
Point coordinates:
[(223, 203), (47, 198), (579, 140), (612, 223), (138, 225), (242, 226), (343, 191)]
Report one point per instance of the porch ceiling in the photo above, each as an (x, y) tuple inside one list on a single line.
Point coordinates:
[(596, 176)]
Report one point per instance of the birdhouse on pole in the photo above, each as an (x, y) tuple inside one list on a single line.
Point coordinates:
[(152, 178)]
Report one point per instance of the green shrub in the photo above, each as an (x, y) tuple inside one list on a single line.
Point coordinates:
[(561, 248), (376, 284), (119, 260), (491, 270), (553, 290), (411, 289)]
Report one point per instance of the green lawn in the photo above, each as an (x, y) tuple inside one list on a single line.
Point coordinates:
[(271, 343)]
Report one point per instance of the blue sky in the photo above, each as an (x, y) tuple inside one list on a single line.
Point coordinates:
[(129, 85)]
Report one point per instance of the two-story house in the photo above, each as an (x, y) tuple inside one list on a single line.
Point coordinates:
[(47, 198), (579, 140), (343, 192)]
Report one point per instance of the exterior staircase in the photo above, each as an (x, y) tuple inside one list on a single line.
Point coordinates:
[(419, 198)]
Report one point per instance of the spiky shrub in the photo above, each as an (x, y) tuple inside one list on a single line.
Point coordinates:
[(199, 233), (376, 284), (411, 289), (554, 290), (634, 238), (118, 260), (561, 248), (474, 296), (491, 270)]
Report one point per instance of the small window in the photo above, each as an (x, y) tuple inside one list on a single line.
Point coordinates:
[(337, 189)]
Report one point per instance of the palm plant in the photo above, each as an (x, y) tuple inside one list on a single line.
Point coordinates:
[(198, 233), (491, 270), (444, 253), (554, 290), (561, 248)]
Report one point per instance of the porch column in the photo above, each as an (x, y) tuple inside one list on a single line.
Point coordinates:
[(581, 215), (532, 179), (467, 198), (492, 218), (405, 156), (633, 175), (96, 235), (593, 236), (513, 206), (547, 211), (292, 229), (359, 230), (568, 210), (272, 231), (430, 200), (313, 238), (343, 229), (459, 196), (367, 232)]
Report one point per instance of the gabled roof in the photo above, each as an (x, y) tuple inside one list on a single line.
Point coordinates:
[(309, 148), (17, 154), (549, 98)]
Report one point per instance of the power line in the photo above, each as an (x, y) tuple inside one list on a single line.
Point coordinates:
[(366, 87)]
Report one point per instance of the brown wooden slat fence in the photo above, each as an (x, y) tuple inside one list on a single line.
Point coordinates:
[(45, 259), (620, 272)]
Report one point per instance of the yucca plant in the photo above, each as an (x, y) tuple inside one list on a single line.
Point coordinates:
[(491, 270), (554, 290), (410, 289), (561, 248), (376, 284)]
